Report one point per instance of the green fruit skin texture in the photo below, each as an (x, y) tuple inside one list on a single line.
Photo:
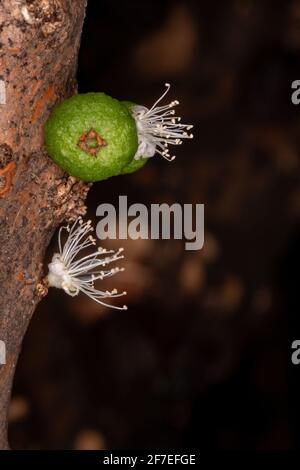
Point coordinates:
[(134, 165), (76, 116)]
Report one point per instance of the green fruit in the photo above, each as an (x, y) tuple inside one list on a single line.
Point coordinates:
[(91, 136), (134, 165)]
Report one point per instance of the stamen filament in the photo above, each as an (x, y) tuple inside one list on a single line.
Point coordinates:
[(74, 276), (158, 128)]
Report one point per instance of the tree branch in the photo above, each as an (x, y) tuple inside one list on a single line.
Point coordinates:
[(39, 41)]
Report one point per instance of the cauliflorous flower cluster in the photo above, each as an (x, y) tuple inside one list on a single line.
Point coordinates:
[(74, 273), (158, 127)]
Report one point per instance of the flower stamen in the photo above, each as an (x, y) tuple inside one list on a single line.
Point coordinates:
[(76, 274), (157, 128)]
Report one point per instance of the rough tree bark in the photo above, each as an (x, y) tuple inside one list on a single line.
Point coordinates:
[(39, 42)]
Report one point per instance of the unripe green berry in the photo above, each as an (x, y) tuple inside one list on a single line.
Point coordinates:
[(91, 136), (134, 165)]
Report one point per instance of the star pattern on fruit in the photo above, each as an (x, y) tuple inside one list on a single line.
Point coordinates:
[(91, 142)]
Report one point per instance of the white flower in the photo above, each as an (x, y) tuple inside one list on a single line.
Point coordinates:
[(74, 274), (157, 127)]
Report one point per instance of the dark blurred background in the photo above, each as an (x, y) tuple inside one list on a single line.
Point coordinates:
[(202, 358)]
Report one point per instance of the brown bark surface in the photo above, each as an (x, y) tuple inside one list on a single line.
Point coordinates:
[(39, 41)]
